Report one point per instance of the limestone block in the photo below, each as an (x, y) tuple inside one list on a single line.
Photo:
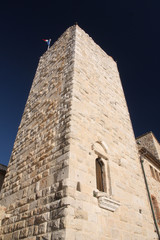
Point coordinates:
[(30, 221), (30, 231), (81, 214), (15, 235), (19, 225), (7, 236), (35, 231), (53, 225), (41, 218), (42, 228), (58, 235), (24, 208), (23, 233)]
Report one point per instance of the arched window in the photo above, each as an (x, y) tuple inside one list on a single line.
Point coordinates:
[(156, 209), (100, 175)]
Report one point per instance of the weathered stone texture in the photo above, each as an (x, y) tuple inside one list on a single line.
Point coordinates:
[(33, 187), (99, 113), (76, 101)]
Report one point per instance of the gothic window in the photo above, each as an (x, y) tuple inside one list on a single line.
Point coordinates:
[(100, 175), (156, 209)]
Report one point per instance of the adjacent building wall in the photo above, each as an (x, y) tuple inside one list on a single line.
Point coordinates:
[(154, 185), (149, 141), (149, 149)]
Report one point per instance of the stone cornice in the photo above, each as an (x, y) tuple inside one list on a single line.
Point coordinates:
[(106, 202), (150, 156)]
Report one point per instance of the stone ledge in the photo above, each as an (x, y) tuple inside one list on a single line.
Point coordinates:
[(106, 202)]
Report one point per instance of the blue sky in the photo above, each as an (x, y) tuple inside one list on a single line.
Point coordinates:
[(127, 30)]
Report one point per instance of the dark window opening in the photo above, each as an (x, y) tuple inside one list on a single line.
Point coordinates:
[(100, 175)]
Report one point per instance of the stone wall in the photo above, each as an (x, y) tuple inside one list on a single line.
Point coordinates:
[(99, 115), (34, 191), (76, 112)]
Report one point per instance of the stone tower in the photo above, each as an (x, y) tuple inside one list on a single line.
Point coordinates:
[(74, 171)]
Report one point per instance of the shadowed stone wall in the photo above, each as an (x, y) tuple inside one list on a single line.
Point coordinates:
[(34, 189)]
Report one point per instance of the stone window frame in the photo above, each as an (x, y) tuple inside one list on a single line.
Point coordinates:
[(157, 175), (100, 175), (154, 173), (105, 198)]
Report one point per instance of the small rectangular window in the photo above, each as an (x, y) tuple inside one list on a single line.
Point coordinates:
[(152, 172), (157, 175), (99, 175)]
